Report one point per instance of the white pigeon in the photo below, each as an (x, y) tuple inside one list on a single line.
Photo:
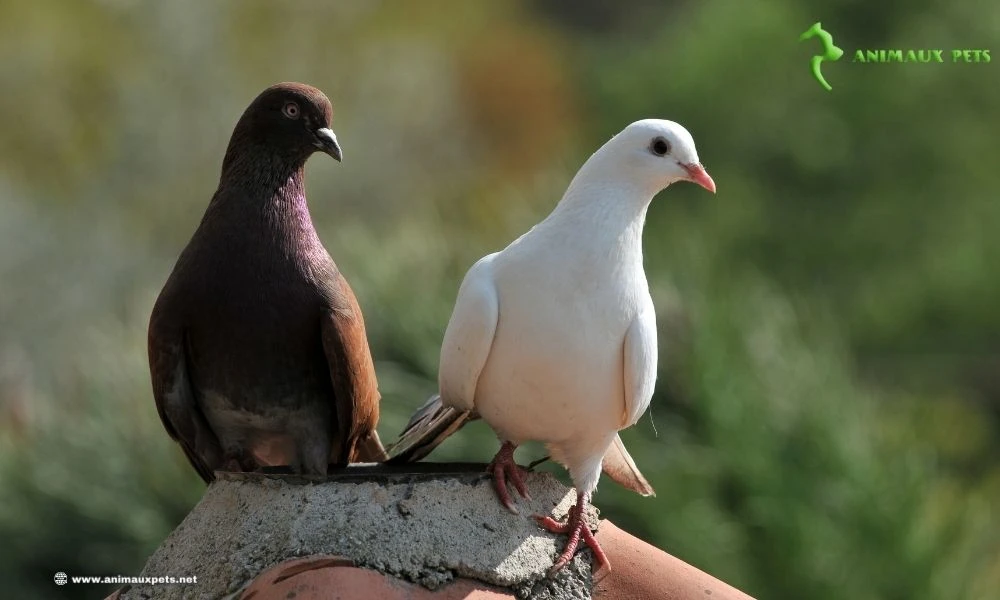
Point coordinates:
[(553, 338)]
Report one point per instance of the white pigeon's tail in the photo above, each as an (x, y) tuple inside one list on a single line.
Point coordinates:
[(620, 467), (428, 427), (433, 422)]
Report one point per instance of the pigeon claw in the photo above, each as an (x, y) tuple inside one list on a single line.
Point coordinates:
[(238, 461), (576, 527), (504, 469)]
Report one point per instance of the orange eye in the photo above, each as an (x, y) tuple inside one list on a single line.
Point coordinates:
[(291, 110)]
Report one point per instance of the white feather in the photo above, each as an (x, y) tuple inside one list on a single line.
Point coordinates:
[(640, 365), (469, 336)]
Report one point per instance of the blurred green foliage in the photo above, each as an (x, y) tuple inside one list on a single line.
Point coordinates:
[(828, 405)]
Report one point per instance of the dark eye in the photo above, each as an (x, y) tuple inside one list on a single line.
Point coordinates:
[(291, 110), (659, 147)]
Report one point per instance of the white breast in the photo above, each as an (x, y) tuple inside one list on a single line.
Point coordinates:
[(555, 370)]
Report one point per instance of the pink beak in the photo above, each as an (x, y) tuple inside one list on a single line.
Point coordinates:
[(698, 174)]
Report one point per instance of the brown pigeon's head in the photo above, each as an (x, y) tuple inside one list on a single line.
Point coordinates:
[(291, 120)]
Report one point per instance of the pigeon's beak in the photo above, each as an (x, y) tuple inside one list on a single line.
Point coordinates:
[(698, 174), (326, 141)]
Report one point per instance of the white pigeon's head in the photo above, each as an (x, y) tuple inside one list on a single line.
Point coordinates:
[(655, 153)]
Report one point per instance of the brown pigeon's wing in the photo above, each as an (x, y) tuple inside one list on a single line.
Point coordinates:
[(175, 400), (353, 375)]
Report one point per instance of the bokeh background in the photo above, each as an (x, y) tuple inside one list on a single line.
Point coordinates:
[(827, 413)]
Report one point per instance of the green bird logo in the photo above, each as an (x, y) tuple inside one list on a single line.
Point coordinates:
[(830, 52)]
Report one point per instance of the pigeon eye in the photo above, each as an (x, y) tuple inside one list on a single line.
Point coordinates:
[(660, 147), (291, 110)]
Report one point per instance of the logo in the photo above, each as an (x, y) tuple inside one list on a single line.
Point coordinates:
[(869, 56), (60, 578), (830, 52)]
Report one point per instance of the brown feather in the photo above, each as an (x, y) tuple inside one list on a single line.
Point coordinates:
[(352, 372), (181, 418), (428, 427)]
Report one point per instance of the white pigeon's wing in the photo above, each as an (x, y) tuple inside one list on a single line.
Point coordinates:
[(640, 365), (469, 336), (640, 378)]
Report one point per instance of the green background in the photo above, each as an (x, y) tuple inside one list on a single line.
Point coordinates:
[(828, 405)]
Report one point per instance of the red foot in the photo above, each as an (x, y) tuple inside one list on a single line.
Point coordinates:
[(504, 468), (238, 462), (577, 529)]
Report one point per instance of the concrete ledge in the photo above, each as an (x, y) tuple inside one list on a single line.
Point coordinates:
[(423, 527), (398, 532)]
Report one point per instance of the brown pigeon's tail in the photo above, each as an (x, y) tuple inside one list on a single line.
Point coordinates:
[(369, 449), (198, 463), (428, 427), (620, 467)]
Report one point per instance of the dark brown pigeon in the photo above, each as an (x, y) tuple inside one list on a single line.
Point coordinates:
[(257, 347)]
